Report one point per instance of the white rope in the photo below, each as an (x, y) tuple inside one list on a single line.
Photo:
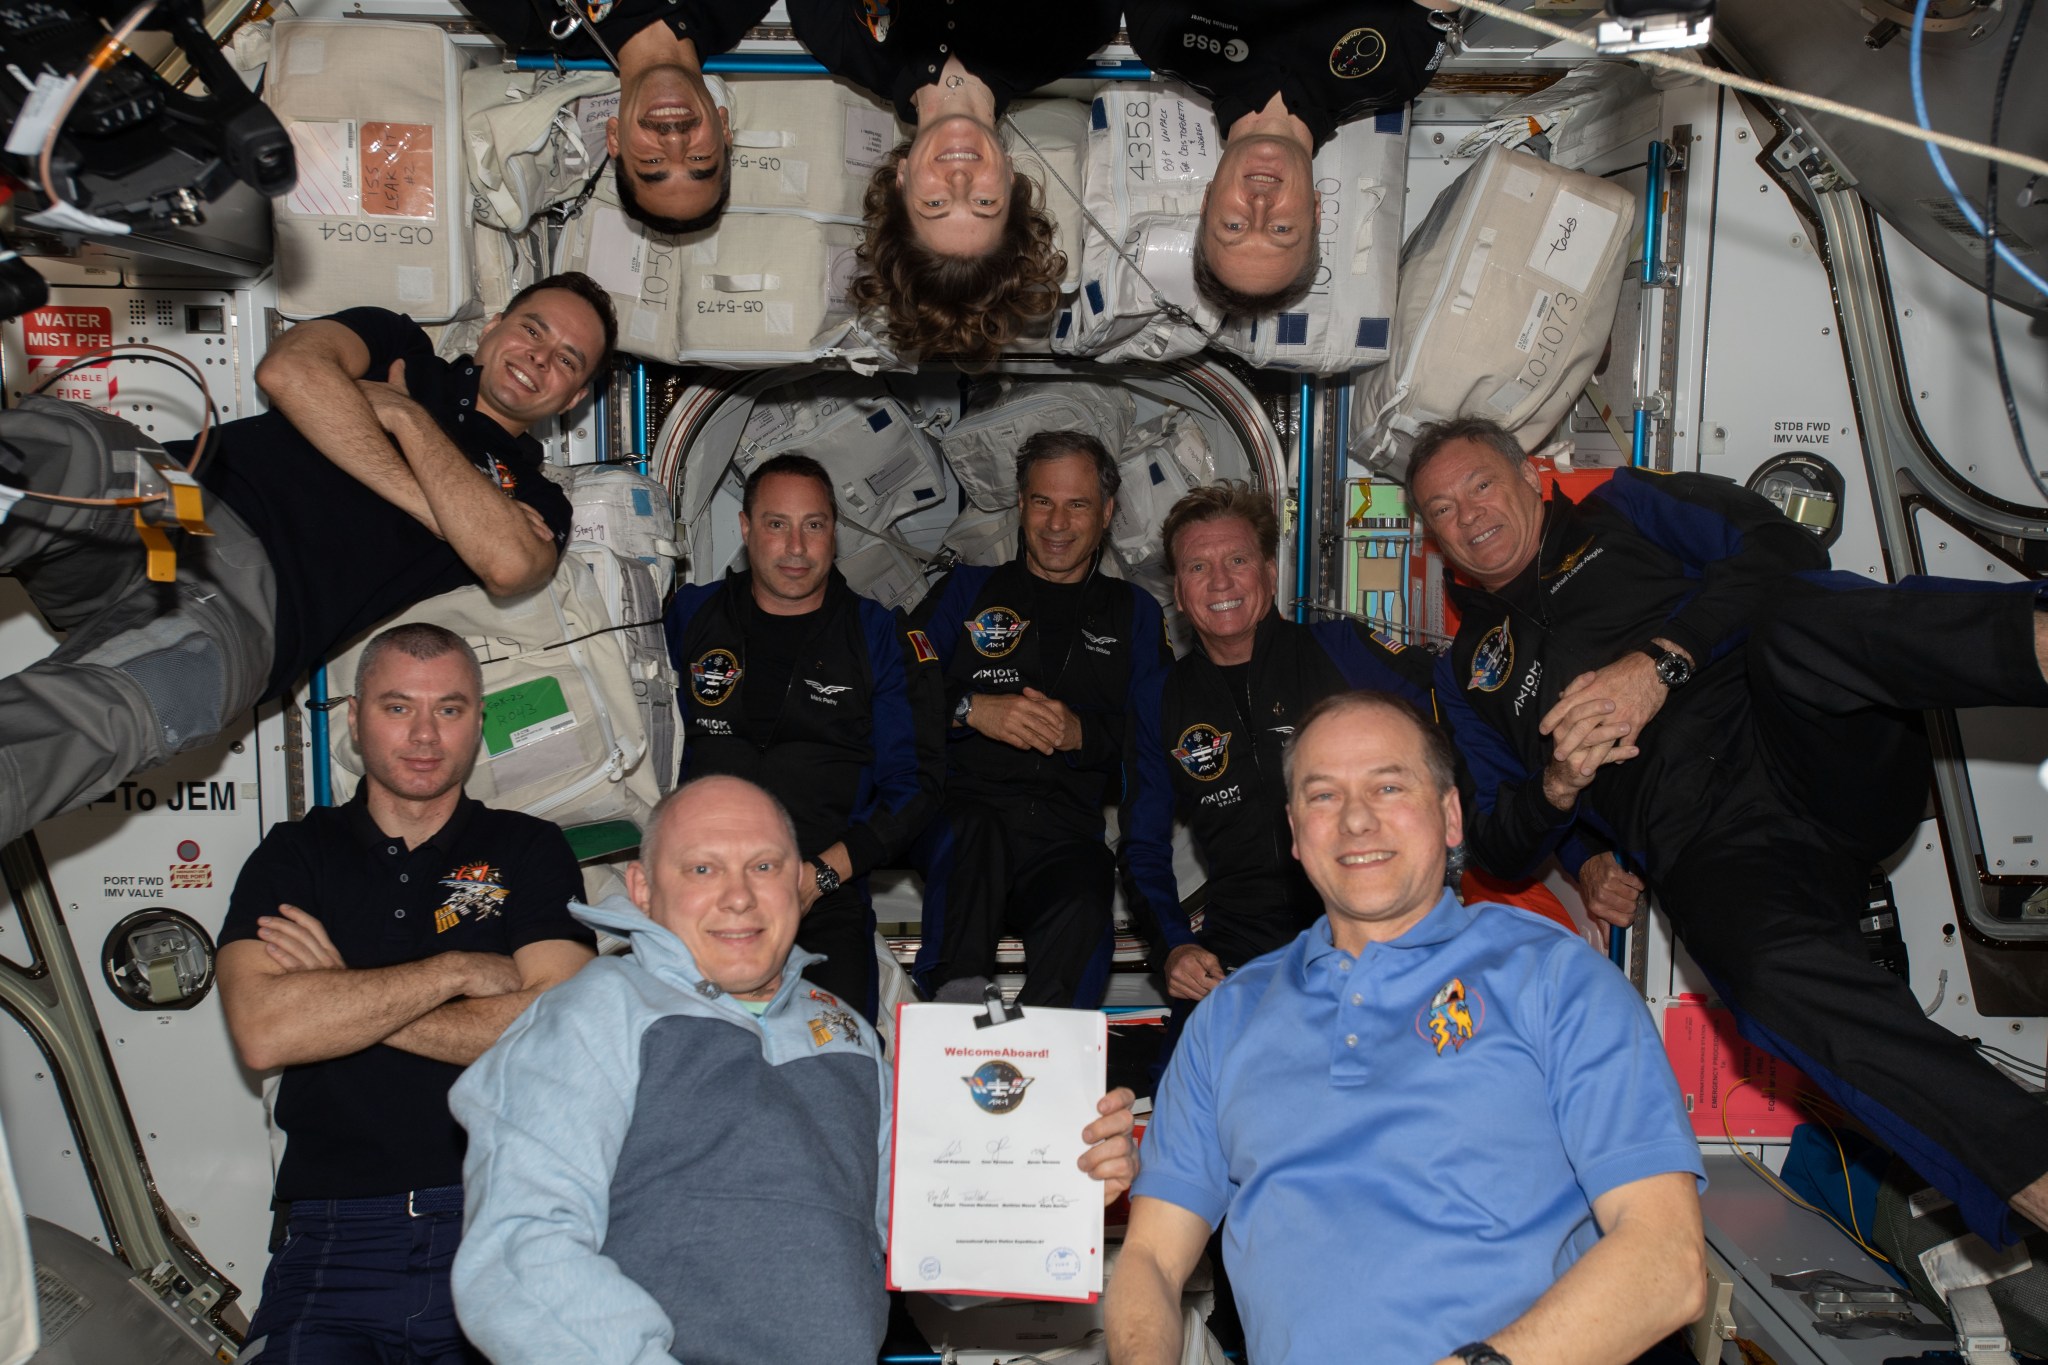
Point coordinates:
[(1763, 89)]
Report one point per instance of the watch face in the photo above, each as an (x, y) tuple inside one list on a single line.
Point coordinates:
[(1673, 670)]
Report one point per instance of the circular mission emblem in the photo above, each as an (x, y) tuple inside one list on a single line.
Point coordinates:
[(1203, 751), (996, 631), (1358, 53), (997, 1087), (713, 677)]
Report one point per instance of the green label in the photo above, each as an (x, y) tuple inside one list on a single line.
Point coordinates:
[(525, 714)]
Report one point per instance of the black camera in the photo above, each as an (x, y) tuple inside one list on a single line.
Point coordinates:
[(133, 149)]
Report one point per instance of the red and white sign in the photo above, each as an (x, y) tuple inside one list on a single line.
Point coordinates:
[(56, 335), (1719, 1070), (191, 876)]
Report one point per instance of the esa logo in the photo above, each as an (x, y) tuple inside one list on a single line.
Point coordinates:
[(1204, 751), (1235, 50), (996, 632)]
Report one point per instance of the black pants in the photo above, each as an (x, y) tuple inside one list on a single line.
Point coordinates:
[(985, 877), (1768, 896), (842, 927)]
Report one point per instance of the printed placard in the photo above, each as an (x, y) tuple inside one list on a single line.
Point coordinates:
[(524, 714), (330, 177)]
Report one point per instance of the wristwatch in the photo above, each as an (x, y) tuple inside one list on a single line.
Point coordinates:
[(1673, 669), (827, 879), (1480, 1353), (961, 709)]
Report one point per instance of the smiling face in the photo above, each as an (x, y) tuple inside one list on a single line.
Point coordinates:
[(418, 723), (724, 881), (1486, 512), (1371, 828), (956, 183), (671, 140), (536, 361), (1064, 516), (1259, 214), (1223, 585), (790, 543)]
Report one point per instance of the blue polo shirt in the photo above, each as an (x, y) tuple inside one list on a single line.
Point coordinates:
[(1408, 1142)]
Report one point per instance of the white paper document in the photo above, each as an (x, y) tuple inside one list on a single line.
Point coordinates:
[(987, 1197)]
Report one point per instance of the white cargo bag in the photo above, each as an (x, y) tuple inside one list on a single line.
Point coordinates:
[(770, 289), (1048, 141), (1508, 292), (501, 265), (883, 467), (641, 269), (573, 707), (1164, 458), (987, 538), (1346, 320), (627, 513), (380, 214), (982, 446), (1151, 154), (807, 146), (526, 149)]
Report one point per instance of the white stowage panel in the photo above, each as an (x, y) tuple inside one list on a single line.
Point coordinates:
[(883, 467), (1507, 297), (806, 146), (381, 211), (1048, 141), (574, 706), (642, 271), (768, 289)]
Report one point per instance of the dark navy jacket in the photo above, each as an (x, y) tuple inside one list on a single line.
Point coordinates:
[(979, 620), (856, 754), (1690, 558), (1227, 783)]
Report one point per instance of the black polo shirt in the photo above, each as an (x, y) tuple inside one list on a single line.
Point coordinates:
[(1334, 60), (345, 558), (1015, 49), (489, 881)]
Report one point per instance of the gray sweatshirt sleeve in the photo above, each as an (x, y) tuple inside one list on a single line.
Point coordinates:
[(547, 1110)]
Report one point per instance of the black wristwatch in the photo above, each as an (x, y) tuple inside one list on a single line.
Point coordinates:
[(962, 708), (827, 879), (1673, 669), (1480, 1353)]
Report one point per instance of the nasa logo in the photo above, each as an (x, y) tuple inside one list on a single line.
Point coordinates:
[(713, 677), (997, 1087), (1203, 751), (1358, 53), (1492, 661), (996, 632)]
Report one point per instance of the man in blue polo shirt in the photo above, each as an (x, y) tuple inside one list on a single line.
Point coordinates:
[(1440, 1132)]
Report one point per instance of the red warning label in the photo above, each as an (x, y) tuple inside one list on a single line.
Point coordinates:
[(54, 336), (191, 876)]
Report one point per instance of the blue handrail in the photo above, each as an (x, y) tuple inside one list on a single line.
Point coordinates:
[(1304, 498), (323, 771), (801, 64), (1653, 234)]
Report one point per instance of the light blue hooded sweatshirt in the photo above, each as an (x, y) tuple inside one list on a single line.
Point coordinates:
[(656, 1175)]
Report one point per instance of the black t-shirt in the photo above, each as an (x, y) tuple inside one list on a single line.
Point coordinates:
[(1057, 607), (522, 25), (489, 881), (1334, 60), (773, 644), (345, 558), (1014, 48)]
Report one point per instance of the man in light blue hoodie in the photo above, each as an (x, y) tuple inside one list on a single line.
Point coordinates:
[(683, 1153)]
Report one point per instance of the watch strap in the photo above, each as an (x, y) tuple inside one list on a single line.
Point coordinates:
[(1481, 1353)]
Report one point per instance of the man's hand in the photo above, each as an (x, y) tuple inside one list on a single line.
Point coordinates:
[(1630, 689), (1026, 722), (1585, 739), (1070, 724), (390, 399), (1111, 1157), (1612, 896), (487, 974), (1192, 971), (298, 942)]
